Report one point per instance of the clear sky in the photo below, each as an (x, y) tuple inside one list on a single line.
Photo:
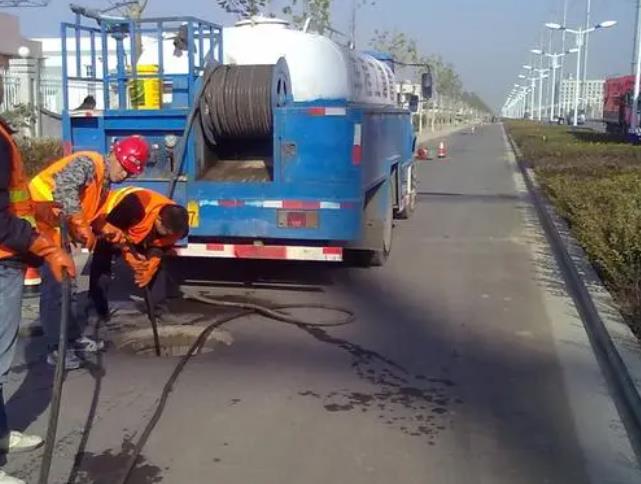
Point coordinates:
[(487, 40)]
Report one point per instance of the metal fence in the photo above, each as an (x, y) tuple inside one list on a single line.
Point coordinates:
[(11, 89), (16, 92)]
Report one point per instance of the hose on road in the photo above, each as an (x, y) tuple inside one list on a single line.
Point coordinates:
[(276, 313)]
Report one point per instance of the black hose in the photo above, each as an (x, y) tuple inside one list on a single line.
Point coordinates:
[(237, 103), (245, 309), (181, 149), (58, 380), (151, 314)]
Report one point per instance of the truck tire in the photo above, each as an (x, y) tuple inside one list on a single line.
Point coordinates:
[(377, 258), (376, 244)]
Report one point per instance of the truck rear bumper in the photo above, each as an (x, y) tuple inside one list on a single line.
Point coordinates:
[(268, 252)]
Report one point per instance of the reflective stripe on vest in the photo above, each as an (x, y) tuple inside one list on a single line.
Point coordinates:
[(117, 196), (152, 203), (17, 196), (20, 203), (42, 186)]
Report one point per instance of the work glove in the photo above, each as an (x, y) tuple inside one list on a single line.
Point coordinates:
[(138, 263), (56, 258), (144, 277), (113, 234), (81, 232), (47, 213)]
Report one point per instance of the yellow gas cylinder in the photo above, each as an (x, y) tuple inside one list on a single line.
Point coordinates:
[(145, 93)]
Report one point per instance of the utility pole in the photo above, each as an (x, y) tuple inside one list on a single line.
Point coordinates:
[(353, 23), (634, 122), (584, 89), (562, 68), (637, 40), (551, 82)]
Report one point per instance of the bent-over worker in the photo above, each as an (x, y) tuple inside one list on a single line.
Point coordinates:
[(152, 224)]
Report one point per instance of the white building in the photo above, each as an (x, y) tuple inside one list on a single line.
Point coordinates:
[(590, 97)]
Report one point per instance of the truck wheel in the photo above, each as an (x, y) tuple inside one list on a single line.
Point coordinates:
[(378, 258)]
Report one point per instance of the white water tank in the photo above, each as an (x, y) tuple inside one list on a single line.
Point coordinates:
[(320, 69)]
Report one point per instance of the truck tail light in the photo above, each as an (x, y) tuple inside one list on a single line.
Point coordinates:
[(298, 219)]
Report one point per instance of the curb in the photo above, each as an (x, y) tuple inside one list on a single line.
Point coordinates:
[(615, 345)]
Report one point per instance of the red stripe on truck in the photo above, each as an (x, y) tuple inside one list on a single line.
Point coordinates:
[(260, 252), (300, 205)]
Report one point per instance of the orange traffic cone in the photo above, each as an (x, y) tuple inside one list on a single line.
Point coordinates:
[(422, 154), (442, 150), (32, 282)]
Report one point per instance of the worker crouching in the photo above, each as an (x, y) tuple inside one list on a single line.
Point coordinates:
[(152, 224), (74, 189)]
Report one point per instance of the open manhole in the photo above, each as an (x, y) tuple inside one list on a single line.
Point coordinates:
[(174, 340)]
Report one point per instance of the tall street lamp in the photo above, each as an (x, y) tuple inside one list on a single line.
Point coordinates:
[(528, 90), (542, 74), (522, 99), (532, 80), (580, 40), (554, 65)]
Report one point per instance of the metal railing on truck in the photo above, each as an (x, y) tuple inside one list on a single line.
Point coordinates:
[(108, 54)]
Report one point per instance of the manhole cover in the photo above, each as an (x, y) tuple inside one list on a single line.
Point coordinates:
[(174, 340)]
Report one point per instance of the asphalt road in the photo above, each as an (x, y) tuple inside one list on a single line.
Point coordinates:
[(467, 364)]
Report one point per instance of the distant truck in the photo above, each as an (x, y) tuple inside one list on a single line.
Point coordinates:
[(617, 106)]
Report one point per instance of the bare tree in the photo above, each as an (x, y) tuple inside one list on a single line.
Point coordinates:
[(319, 11), (244, 8)]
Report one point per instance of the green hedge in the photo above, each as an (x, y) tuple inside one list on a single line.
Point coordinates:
[(37, 153), (594, 180)]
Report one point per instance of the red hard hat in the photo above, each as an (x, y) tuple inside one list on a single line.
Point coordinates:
[(133, 153)]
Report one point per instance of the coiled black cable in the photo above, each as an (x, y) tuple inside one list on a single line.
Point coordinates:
[(237, 103)]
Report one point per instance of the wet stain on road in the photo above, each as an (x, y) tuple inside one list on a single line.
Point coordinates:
[(416, 405), (105, 468)]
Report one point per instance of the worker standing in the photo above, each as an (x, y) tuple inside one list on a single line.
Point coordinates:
[(152, 224), (19, 242), (77, 186)]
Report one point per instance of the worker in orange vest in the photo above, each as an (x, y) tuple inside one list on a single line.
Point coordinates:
[(77, 186), (19, 243), (152, 224)]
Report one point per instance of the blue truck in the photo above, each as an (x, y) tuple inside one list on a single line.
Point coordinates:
[(281, 143)]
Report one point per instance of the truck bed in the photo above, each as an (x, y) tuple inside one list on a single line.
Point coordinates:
[(257, 171)]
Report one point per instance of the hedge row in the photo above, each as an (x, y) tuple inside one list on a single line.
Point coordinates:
[(37, 153), (594, 180)]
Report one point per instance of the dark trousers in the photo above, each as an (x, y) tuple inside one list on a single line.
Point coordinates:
[(11, 285), (100, 278)]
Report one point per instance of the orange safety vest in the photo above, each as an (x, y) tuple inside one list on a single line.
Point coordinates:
[(153, 203), (92, 197), (20, 203)]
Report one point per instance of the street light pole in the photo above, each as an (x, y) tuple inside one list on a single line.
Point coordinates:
[(555, 66), (634, 121), (580, 36), (563, 34), (542, 76), (579, 45), (588, 13)]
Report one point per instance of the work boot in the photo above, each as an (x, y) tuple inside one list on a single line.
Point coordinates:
[(18, 442), (84, 344), (72, 362), (7, 479)]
